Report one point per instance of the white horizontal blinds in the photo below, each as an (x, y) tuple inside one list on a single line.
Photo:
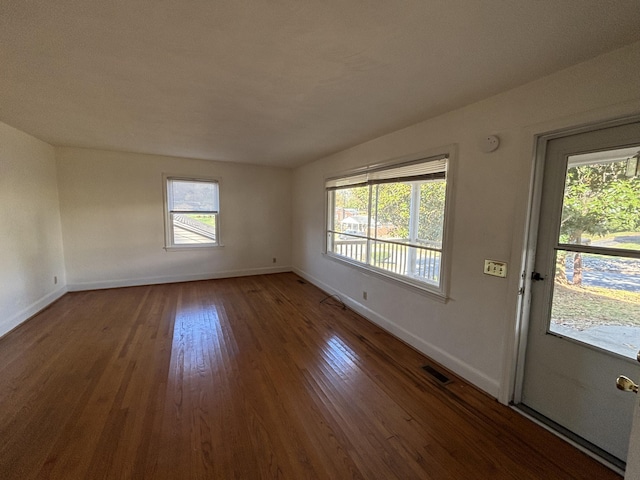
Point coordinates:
[(432, 168), (193, 196), (350, 181)]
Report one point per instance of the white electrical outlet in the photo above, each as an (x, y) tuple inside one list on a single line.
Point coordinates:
[(495, 268)]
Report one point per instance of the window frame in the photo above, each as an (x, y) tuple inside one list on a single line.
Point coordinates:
[(169, 243), (438, 292)]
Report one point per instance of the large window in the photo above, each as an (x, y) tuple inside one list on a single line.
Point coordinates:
[(391, 220), (191, 212)]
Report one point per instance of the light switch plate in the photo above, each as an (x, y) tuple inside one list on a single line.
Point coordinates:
[(495, 268)]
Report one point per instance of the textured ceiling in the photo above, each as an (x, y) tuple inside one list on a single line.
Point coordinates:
[(278, 82)]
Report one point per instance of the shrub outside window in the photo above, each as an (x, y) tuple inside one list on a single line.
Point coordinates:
[(191, 212), (391, 220)]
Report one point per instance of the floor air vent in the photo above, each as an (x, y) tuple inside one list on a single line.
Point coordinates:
[(439, 377)]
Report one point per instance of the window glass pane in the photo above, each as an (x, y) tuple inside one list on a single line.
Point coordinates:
[(192, 196), (596, 300), (350, 247), (392, 211), (389, 256), (415, 262), (427, 265), (351, 211), (193, 229), (431, 220), (601, 204)]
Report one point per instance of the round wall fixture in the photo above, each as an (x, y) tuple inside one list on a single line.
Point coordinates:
[(490, 143)]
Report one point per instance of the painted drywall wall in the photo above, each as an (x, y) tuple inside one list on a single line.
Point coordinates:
[(474, 332), (31, 252), (113, 219)]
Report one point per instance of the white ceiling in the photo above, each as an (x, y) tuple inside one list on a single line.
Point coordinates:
[(278, 82)]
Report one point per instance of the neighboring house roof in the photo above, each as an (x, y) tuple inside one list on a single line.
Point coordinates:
[(187, 230), (356, 220)]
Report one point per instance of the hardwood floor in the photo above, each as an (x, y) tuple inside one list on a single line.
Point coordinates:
[(246, 378)]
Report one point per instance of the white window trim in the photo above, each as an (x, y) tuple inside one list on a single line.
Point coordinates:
[(168, 225), (441, 292)]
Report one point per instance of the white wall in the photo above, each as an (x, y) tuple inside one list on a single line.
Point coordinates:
[(113, 219), (474, 333), (30, 236)]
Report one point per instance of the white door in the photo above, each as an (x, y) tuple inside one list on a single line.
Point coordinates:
[(584, 325)]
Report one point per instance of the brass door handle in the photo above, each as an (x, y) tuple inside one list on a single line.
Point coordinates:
[(626, 384)]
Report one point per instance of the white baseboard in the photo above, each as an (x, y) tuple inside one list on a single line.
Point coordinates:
[(31, 310), (459, 367), (134, 282)]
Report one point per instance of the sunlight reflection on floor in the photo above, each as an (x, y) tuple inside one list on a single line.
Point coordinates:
[(340, 357)]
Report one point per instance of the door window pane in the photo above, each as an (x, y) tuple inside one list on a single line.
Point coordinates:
[(602, 306), (596, 298), (601, 205)]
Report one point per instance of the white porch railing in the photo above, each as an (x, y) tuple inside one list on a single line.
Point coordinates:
[(418, 262)]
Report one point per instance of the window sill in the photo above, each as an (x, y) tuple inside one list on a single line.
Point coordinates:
[(414, 286), (181, 248)]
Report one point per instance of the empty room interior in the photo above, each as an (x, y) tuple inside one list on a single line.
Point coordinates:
[(330, 240)]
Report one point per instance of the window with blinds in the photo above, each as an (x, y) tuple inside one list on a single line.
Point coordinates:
[(191, 212), (390, 219)]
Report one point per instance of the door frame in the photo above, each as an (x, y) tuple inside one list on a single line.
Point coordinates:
[(515, 377)]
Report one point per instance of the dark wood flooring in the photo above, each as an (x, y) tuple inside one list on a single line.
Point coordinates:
[(246, 378)]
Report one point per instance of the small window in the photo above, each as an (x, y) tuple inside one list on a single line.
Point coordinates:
[(391, 220), (192, 208)]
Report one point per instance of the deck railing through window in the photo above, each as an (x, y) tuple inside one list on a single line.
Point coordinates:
[(186, 223), (419, 262)]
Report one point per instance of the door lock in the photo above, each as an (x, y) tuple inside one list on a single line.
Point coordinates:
[(626, 384), (535, 276)]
